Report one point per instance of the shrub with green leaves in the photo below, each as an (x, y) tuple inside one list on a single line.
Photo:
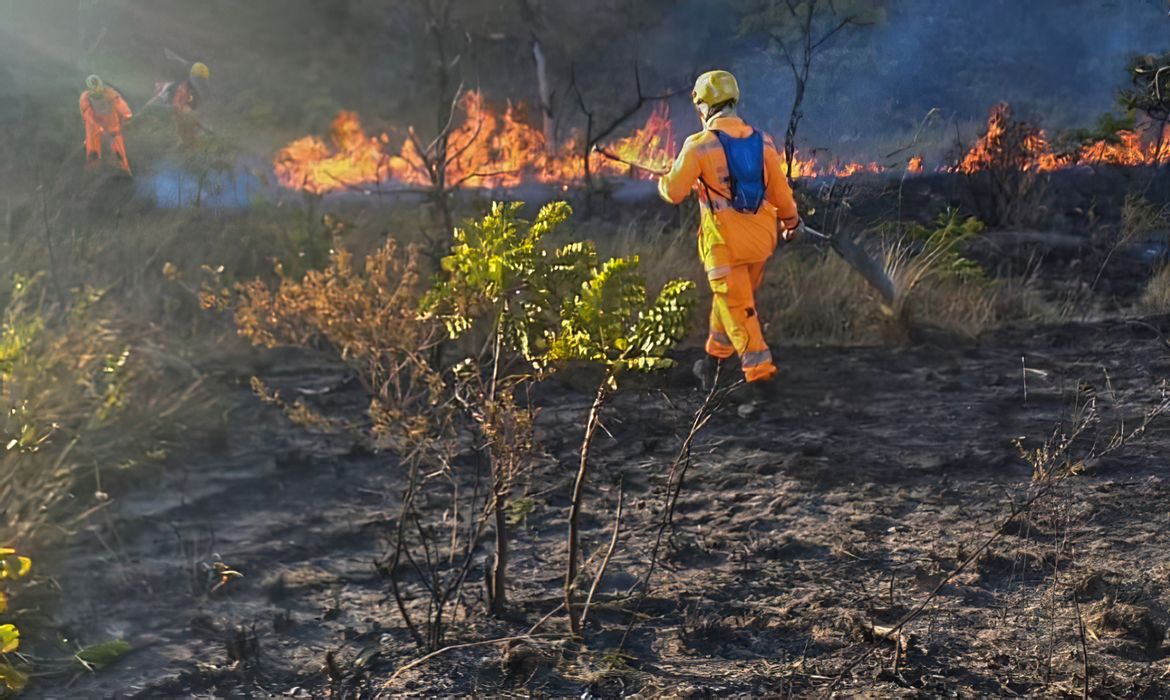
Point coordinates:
[(533, 309), (552, 306), (66, 377), (943, 240)]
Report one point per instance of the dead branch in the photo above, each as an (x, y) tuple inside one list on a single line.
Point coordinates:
[(594, 136), (592, 422), (613, 542), (712, 403), (455, 647), (1084, 647), (1056, 453)]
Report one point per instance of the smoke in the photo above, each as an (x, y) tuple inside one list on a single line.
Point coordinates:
[(1058, 62)]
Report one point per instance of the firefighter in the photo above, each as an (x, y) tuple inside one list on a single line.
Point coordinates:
[(746, 205), (184, 94), (104, 111)]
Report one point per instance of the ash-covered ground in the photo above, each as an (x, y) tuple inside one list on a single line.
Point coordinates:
[(872, 475)]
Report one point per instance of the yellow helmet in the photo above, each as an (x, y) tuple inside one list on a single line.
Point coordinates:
[(715, 88), (95, 84), (200, 70)]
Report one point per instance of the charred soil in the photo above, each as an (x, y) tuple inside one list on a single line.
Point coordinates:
[(797, 532)]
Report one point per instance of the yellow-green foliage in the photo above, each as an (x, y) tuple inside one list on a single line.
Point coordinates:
[(497, 270), (608, 321), (940, 245), (555, 305), (13, 569)]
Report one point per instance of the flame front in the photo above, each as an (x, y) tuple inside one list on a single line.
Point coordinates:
[(495, 149), (1014, 145), (487, 149), (311, 165)]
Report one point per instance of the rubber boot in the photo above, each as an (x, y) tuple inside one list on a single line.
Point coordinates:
[(757, 397), (705, 371)]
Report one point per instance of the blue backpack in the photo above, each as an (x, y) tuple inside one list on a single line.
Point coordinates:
[(745, 165)]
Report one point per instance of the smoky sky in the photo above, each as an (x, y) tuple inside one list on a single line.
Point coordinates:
[(1058, 62)]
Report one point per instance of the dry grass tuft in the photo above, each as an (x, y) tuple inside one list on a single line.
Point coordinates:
[(1156, 297), (82, 394), (1140, 217)]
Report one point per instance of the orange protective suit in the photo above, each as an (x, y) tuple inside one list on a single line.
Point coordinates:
[(733, 246), (184, 100), (103, 112)]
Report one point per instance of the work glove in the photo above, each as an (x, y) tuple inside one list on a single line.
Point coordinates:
[(793, 233)]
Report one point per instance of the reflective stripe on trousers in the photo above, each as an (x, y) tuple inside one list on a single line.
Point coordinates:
[(756, 358), (734, 318)]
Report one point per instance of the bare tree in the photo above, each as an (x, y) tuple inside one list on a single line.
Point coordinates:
[(535, 25), (597, 131), (1150, 93), (799, 30)]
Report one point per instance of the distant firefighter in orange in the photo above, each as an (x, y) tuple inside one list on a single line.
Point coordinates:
[(104, 111), (184, 94)]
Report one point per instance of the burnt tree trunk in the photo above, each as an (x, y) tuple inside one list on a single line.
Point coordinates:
[(543, 84), (544, 88), (794, 118)]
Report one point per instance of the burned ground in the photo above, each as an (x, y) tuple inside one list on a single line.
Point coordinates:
[(868, 479), (237, 554)]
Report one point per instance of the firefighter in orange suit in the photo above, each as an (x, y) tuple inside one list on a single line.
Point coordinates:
[(104, 111), (746, 205), (184, 95)]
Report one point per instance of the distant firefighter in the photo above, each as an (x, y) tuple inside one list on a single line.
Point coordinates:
[(104, 110), (184, 93)]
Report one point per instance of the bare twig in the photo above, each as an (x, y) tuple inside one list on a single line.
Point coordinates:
[(1084, 647), (613, 542), (455, 647), (1055, 454), (591, 424), (711, 404)]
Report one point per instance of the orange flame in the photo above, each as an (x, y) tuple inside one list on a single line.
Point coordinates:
[(1032, 152), (311, 165), (496, 149), (487, 149)]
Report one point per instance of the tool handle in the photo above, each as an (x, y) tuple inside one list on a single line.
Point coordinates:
[(618, 159), (814, 232)]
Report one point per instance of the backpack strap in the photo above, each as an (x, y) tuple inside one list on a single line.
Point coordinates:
[(706, 186)]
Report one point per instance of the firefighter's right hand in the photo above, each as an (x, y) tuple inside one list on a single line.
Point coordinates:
[(791, 234)]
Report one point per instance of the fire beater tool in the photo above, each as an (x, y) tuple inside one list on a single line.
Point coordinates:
[(862, 262), (841, 243), (610, 155)]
